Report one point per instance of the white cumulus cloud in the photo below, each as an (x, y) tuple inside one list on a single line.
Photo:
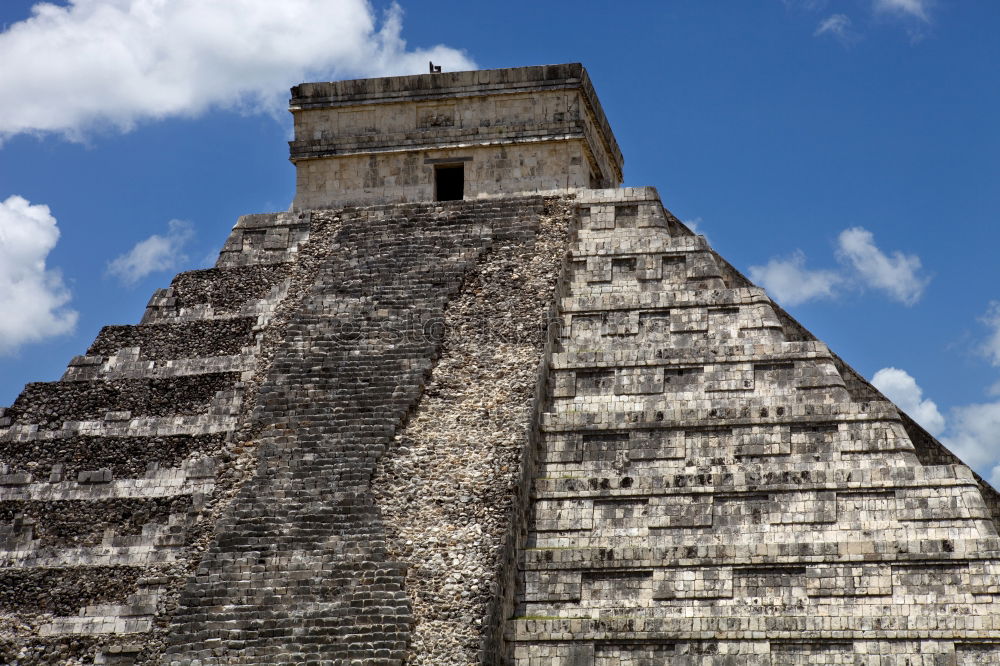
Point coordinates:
[(95, 63), (897, 275), (974, 435), (156, 253), (971, 432), (33, 298), (791, 283), (902, 389)]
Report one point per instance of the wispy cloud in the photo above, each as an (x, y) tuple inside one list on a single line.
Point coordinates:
[(156, 253), (695, 225), (919, 9), (811, 5), (991, 347), (902, 389), (837, 26), (897, 275), (913, 16), (33, 297), (791, 283), (98, 63)]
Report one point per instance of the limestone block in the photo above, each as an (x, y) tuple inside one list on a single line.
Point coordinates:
[(850, 580), (700, 583)]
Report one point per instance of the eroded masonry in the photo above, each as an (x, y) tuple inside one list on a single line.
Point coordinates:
[(471, 402)]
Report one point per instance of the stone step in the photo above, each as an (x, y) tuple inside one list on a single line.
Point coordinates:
[(51, 459), (142, 603), (720, 394), (832, 586), (775, 378), (225, 292), (783, 447), (619, 195), (652, 242), (265, 238), (763, 554), (96, 625), (145, 555), (70, 523), (678, 329), (221, 418), (651, 355), (196, 476), (745, 412), (632, 274), (96, 368), (184, 340), (64, 590), (740, 532), (757, 652), (611, 467), (659, 300), (50, 404), (884, 626), (735, 479), (787, 602)]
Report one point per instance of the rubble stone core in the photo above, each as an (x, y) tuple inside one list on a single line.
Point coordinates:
[(545, 424)]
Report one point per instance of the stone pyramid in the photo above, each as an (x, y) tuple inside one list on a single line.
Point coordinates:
[(468, 402)]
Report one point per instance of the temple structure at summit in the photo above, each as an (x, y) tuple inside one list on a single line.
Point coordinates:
[(469, 401), (460, 135)]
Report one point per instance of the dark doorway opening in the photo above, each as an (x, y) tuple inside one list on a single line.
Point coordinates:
[(449, 182)]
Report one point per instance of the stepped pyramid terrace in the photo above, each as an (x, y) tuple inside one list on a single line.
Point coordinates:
[(470, 401)]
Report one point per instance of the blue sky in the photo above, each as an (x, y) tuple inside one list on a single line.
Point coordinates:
[(845, 154)]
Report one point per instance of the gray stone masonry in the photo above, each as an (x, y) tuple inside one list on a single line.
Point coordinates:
[(714, 486), (200, 482), (300, 570), (543, 425), (110, 479), (522, 130)]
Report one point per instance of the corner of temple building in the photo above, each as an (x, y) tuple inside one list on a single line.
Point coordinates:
[(470, 401)]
